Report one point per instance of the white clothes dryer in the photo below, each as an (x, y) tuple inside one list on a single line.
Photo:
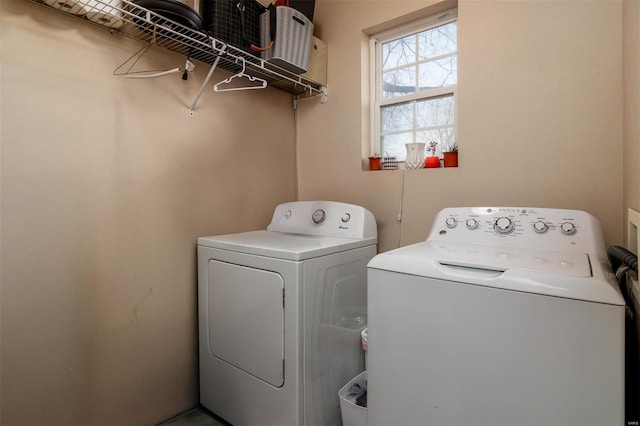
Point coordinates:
[(503, 316), (280, 314)]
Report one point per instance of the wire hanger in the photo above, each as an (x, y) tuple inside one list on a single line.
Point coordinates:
[(189, 66), (217, 87)]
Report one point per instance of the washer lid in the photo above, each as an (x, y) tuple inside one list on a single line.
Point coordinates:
[(497, 258), (572, 275), (283, 245)]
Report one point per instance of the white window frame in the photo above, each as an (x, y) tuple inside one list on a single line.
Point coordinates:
[(375, 55)]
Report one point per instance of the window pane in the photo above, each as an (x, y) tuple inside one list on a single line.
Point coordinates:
[(438, 41), (399, 52), (435, 112), (393, 145), (439, 73), (399, 82), (396, 117), (444, 136)]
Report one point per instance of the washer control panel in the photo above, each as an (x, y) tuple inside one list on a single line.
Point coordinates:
[(518, 226), (324, 218)]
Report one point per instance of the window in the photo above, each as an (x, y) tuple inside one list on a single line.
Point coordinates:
[(414, 86)]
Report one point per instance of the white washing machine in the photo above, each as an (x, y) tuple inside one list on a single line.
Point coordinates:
[(280, 314), (503, 316)]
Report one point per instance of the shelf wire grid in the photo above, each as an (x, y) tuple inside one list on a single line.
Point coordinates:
[(142, 24)]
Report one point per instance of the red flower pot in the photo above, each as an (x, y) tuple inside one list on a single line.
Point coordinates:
[(375, 163), (450, 159), (432, 162)]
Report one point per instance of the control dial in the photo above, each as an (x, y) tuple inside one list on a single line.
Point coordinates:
[(567, 228), (319, 216), (346, 217), (451, 222), (472, 223), (540, 227), (503, 225)]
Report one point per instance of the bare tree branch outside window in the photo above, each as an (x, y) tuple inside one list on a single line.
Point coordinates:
[(411, 65)]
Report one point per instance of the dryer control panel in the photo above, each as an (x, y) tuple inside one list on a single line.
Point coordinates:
[(540, 228), (324, 218)]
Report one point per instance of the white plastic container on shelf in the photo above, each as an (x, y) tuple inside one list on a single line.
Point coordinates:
[(69, 6), (292, 41), (105, 12), (353, 414)]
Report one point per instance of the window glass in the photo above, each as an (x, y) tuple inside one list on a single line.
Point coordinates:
[(435, 112), (397, 53), (394, 144), (417, 77), (438, 41), (438, 73), (399, 82), (418, 121), (397, 117)]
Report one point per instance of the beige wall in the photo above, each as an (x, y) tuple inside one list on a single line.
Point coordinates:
[(631, 13), (106, 184), (540, 115)]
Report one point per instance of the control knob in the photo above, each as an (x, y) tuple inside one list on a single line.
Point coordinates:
[(472, 223), (540, 227), (319, 216), (503, 225), (346, 217), (567, 228), (451, 222)]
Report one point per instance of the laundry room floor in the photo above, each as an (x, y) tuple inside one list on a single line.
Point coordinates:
[(198, 416)]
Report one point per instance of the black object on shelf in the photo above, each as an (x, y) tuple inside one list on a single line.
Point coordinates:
[(175, 11), (236, 22)]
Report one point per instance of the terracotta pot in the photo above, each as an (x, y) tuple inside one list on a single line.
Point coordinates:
[(432, 162), (450, 159), (375, 163)]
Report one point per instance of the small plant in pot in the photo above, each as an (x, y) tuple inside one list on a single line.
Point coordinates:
[(375, 162), (451, 155), (432, 161)]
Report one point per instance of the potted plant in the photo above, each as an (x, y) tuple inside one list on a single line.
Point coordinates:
[(432, 161), (451, 155), (375, 162)]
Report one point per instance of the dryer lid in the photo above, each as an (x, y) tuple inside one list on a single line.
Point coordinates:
[(281, 245)]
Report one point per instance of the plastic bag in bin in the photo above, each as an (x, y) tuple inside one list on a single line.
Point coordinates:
[(358, 393)]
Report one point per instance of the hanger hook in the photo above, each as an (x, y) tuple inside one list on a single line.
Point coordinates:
[(153, 37)]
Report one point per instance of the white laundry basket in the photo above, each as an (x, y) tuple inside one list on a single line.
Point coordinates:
[(292, 44), (353, 414)]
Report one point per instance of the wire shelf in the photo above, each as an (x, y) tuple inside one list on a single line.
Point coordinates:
[(132, 20)]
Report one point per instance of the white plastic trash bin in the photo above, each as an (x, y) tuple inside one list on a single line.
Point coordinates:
[(353, 414), (365, 347)]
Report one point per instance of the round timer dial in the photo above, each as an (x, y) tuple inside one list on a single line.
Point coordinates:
[(540, 227), (319, 216), (568, 228), (503, 225)]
